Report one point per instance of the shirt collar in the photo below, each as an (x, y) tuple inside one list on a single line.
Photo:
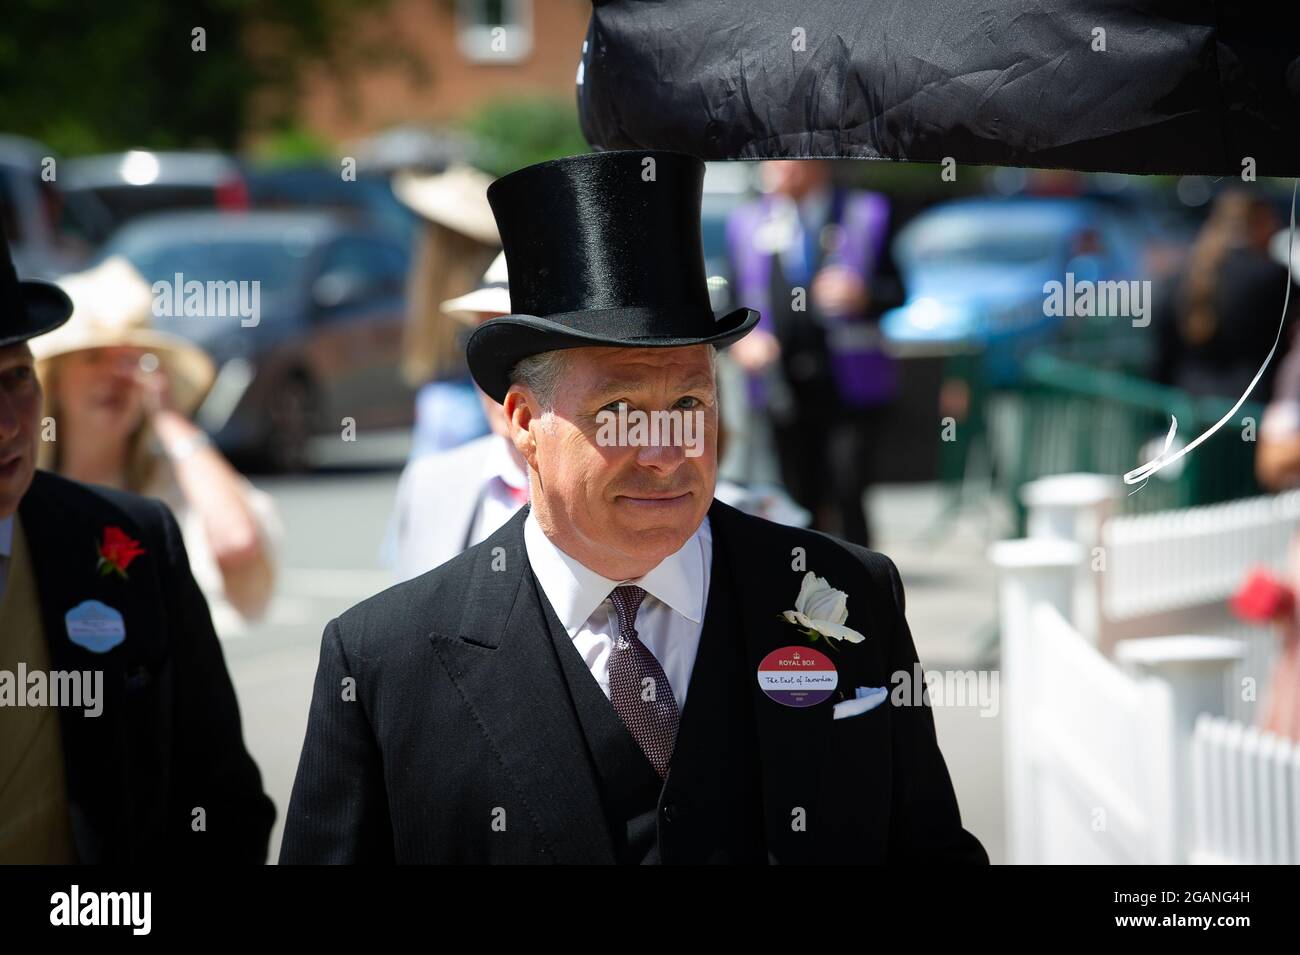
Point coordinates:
[(575, 591), (815, 206), (7, 536), (809, 213)]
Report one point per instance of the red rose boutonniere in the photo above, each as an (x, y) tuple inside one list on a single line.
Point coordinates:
[(117, 551)]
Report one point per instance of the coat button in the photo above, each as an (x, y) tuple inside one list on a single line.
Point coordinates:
[(669, 812)]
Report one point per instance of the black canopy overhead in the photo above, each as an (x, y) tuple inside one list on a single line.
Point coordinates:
[(1169, 86)]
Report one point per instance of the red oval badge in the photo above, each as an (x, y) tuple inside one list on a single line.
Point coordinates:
[(797, 676)]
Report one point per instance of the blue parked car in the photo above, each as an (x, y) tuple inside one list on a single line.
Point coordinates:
[(974, 270)]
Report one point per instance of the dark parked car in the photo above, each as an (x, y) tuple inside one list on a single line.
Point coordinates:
[(323, 346), (367, 200), (139, 181), (50, 231)]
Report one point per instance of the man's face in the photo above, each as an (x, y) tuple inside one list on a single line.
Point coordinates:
[(20, 419), (793, 177), (620, 508)]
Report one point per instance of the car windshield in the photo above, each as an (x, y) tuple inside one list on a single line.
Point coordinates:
[(278, 264)]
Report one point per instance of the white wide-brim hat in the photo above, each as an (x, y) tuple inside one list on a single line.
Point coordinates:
[(456, 198), (112, 306), (492, 297)]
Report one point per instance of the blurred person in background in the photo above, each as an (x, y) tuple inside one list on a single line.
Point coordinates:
[(458, 242), (1277, 454), (757, 497), (449, 500), (805, 253), (95, 584), (1264, 598), (120, 395), (1216, 320)]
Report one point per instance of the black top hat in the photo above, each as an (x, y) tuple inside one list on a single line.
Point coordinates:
[(602, 249), (27, 308)]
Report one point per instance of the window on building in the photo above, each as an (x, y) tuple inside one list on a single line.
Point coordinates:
[(494, 31)]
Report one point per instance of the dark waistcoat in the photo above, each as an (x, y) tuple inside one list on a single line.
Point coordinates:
[(709, 808)]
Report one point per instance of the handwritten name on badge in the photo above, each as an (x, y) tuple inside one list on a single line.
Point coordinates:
[(95, 626), (797, 676)]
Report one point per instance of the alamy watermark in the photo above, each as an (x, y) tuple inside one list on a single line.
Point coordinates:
[(210, 299), (1085, 298), (970, 688), (636, 428), (71, 688), (128, 909)]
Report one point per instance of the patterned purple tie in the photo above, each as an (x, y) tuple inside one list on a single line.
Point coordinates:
[(638, 687)]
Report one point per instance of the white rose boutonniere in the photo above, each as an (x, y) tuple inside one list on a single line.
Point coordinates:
[(820, 609)]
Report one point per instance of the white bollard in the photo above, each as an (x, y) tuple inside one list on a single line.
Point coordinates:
[(1030, 572), (1193, 670), (1074, 507)]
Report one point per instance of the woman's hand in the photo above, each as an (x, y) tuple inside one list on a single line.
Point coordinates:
[(155, 385), (218, 494), (838, 290)]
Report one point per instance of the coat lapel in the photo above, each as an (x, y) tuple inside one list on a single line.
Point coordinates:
[(793, 742), (62, 540), (838, 772), (500, 659)]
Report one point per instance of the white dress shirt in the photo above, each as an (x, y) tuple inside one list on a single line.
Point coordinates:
[(809, 214), (669, 620), (6, 549)]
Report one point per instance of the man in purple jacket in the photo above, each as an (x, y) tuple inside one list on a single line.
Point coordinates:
[(805, 254)]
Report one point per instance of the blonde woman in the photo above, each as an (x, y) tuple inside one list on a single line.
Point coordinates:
[(118, 401)]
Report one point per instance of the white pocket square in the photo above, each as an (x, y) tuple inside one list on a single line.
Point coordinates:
[(865, 698)]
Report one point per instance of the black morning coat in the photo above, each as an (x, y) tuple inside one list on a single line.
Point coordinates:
[(168, 740), (453, 721)]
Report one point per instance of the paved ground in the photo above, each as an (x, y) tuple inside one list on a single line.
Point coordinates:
[(335, 527), (951, 610)]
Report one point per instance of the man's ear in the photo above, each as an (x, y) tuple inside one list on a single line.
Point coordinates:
[(521, 416)]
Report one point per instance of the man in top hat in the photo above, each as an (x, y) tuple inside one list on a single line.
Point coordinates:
[(120, 738), (628, 670), (449, 500)]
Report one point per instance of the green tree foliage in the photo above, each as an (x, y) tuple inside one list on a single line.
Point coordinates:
[(521, 130), (86, 75)]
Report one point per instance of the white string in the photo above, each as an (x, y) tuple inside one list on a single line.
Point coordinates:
[(1160, 460)]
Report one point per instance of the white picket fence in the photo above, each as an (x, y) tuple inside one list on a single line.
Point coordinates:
[(1249, 784), (1117, 746), (1173, 571)]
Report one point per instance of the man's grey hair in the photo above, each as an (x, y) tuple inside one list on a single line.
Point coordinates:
[(542, 373)]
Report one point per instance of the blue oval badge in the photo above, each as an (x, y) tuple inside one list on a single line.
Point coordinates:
[(95, 626)]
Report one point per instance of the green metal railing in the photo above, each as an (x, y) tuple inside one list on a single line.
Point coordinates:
[(1072, 415)]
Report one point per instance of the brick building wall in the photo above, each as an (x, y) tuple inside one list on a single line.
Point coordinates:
[(442, 62)]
